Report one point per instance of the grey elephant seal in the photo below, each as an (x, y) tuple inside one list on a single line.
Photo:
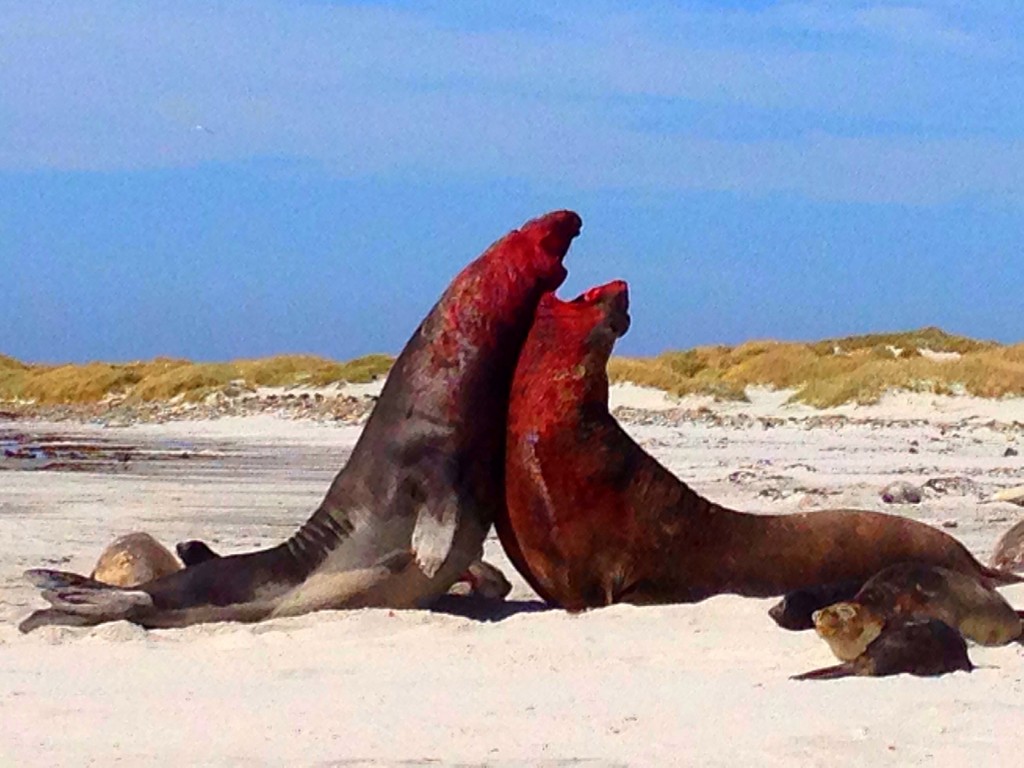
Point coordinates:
[(1009, 552), (916, 591), (409, 511), (922, 647), (134, 559)]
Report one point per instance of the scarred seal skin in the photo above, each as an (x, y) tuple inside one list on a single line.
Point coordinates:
[(409, 511), (593, 519), (922, 647)]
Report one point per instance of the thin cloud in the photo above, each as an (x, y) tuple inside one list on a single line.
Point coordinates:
[(365, 91)]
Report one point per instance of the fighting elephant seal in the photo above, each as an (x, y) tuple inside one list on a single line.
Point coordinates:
[(917, 591), (922, 647), (409, 511), (592, 519)]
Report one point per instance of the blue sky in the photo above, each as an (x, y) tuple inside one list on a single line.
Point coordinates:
[(235, 179)]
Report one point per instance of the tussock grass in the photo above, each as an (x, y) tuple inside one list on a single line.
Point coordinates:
[(857, 369), (166, 378)]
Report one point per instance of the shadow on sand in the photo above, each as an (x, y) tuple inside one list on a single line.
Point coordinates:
[(482, 609)]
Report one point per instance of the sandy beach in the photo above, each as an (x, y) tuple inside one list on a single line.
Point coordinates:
[(516, 684)]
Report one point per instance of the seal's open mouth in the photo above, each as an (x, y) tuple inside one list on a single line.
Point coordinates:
[(552, 234), (613, 298), (562, 227)]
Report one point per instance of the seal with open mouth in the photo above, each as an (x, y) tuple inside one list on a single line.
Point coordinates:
[(592, 519)]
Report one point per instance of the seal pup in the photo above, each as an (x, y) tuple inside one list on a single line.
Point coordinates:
[(795, 611), (922, 647), (409, 511), (915, 590), (133, 559), (1009, 552), (592, 519)]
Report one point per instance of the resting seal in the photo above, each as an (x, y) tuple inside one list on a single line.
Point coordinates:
[(913, 590), (409, 511), (1009, 554), (923, 647), (796, 610), (592, 519), (133, 559)]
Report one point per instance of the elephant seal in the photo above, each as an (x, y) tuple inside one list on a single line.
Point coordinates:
[(922, 647), (133, 559), (915, 590), (592, 519), (409, 511), (194, 552), (1009, 553)]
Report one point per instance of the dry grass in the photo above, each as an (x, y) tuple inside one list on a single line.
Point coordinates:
[(165, 378), (856, 369)]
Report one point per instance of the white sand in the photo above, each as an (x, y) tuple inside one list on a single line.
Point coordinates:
[(702, 684)]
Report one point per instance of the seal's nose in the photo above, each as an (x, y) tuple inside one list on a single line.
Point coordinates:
[(560, 227)]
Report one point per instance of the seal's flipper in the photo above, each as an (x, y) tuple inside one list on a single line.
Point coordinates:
[(83, 605), (194, 552), (52, 617), (433, 535), (43, 578), (107, 603), (826, 673)]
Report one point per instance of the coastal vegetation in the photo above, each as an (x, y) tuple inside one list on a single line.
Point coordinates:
[(167, 378), (857, 369)]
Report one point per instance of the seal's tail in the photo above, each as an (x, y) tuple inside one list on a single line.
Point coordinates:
[(79, 601)]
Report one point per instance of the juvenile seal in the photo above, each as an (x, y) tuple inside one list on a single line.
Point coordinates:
[(795, 611), (1009, 552), (409, 511), (917, 591), (922, 647), (592, 519), (133, 559)]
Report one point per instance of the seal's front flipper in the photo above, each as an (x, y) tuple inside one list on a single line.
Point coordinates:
[(434, 533), (52, 617), (44, 578), (109, 604), (826, 673), (194, 552), (82, 604)]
